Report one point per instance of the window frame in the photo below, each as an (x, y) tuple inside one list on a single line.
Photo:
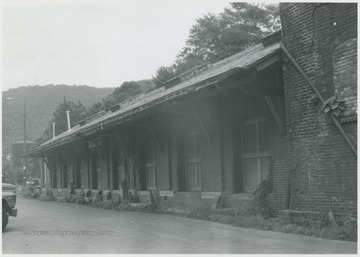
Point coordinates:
[(258, 153), (193, 160)]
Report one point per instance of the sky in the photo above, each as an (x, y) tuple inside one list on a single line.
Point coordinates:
[(98, 43)]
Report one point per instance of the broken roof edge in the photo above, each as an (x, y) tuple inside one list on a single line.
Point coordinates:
[(162, 96)]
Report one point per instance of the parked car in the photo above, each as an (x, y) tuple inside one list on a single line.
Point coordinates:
[(33, 186), (8, 203)]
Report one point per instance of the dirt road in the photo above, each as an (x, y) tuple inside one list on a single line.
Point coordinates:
[(52, 227)]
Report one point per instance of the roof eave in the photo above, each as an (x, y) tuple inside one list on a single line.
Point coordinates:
[(86, 131)]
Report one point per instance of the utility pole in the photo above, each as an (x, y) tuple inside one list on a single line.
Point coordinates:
[(24, 150)]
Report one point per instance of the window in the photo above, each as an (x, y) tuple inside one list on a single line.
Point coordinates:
[(192, 162), (255, 152), (150, 166)]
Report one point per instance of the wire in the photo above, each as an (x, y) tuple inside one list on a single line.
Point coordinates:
[(313, 35)]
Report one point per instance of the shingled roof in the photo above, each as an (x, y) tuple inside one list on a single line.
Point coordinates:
[(240, 62)]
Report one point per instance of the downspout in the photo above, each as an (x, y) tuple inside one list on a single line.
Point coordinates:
[(306, 77)]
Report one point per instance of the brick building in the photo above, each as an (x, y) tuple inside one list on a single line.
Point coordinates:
[(222, 128), (323, 40)]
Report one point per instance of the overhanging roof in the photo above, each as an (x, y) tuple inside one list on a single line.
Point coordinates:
[(243, 61)]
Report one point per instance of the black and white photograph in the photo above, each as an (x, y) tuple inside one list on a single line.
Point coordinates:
[(179, 127)]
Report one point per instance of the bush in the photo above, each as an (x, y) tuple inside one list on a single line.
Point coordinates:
[(29, 192), (71, 198), (253, 218), (261, 196), (123, 207)]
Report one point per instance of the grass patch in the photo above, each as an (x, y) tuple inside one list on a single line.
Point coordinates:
[(252, 218)]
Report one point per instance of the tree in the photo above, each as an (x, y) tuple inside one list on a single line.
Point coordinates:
[(7, 176), (215, 37), (77, 113), (127, 91), (163, 74)]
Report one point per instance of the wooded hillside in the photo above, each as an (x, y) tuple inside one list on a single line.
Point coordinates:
[(41, 101)]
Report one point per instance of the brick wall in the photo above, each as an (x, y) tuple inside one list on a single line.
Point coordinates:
[(324, 170), (345, 73)]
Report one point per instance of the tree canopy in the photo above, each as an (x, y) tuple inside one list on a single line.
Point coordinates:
[(127, 90), (216, 36), (77, 113)]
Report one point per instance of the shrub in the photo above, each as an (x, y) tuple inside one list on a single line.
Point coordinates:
[(261, 195), (253, 218)]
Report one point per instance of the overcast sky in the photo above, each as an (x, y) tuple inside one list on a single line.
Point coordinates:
[(93, 42)]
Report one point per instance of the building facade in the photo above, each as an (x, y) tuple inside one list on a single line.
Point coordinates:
[(223, 128), (323, 40)]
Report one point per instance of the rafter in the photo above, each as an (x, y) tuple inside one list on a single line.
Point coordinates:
[(121, 143), (275, 112)]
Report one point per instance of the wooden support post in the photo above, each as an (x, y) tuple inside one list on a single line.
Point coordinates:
[(275, 112), (123, 146), (155, 136), (98, 148), (47, 163), (203, 128), (79, 152), (221, 136), (168, 142)]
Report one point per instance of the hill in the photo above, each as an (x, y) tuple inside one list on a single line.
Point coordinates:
[(41, 101)]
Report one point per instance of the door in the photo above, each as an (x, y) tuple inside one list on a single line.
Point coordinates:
[(119, 167), (116, 181), (150, 166), (98, 170), (192, 162)]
